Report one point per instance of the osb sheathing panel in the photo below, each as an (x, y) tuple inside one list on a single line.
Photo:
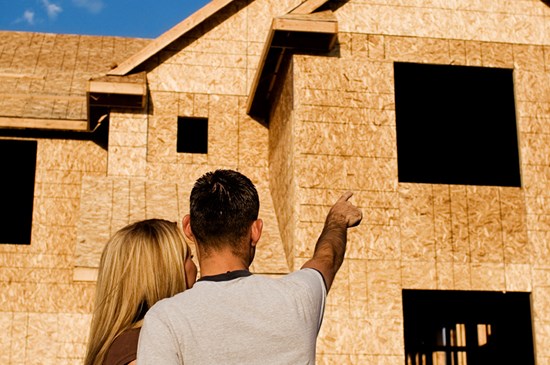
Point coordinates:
[(109, 204), (26, 333), (281, 164), (522, 21), (419, 236), (253, 140), (128, 148)]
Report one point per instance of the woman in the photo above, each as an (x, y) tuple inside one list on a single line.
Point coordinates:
[(141, 264)]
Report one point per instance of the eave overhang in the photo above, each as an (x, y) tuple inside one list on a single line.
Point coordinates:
[(117, 93), (108, 92), (291, 33)]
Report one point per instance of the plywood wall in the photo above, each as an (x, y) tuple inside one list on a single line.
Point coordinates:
[(413, 236)]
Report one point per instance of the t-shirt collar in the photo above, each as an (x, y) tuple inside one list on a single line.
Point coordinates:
[(230, 275)]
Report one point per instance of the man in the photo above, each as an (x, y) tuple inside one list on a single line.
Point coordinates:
[(231, 316)]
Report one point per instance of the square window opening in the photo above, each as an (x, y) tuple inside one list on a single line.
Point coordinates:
[(192, 135), (456, 125)]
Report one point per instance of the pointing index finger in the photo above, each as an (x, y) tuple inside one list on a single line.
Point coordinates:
[(345, 196)]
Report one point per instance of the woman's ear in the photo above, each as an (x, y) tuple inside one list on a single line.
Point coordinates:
[(186, 223), (256, 231)]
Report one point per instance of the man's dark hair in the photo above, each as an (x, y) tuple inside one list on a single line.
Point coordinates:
[(224, 203)]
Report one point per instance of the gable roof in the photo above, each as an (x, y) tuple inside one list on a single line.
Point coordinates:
[(189, 23), (169, 36)]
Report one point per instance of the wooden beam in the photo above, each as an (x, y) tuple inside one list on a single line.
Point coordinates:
[(22, 76), (41, 123), (85, 273), (51, 97), (260, 72), (127, 88), (170, 36), (290, 24), (309, 6)]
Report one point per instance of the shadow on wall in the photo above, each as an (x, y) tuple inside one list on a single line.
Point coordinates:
[(547, 2)]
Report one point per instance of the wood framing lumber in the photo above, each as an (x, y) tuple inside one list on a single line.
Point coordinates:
[(309, 6), (41, 123)]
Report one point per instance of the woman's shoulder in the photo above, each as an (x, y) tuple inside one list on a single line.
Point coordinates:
[(123, 350)]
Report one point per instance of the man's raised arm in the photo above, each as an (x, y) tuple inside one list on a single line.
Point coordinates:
[(331, 245)]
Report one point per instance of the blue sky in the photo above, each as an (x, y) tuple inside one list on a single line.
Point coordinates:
[(126, 18)]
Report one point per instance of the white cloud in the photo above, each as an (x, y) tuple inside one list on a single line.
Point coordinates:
[(52, 9), (27, 17), (93, 6)]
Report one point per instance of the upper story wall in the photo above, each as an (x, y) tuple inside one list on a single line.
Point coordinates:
[(514, 21)]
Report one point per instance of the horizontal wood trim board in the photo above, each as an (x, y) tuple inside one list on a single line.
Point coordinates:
[(126, 88), (40, 123), (301, 25)]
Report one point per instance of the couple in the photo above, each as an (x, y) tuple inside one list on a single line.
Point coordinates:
[(230, 316)]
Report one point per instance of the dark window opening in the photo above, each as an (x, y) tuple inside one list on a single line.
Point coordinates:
[(467, 328), (18, 165), (192, 135), (456, 125)]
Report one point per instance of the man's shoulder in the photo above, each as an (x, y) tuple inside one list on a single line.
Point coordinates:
[(305, 274), (306, 277), (167, 305)]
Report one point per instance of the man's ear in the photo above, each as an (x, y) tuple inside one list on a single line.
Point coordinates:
[(256, 231), (186, 223)]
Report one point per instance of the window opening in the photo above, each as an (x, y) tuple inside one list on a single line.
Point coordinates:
[(18, 166), (456, 125), (467, 328), (192, 135)]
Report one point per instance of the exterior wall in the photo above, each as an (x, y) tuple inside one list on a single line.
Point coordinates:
[(43, 312), (282, 148), (418, 236)]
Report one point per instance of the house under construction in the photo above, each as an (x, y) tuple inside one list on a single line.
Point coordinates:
[(435, 113)]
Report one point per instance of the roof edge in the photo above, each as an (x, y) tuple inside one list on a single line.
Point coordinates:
[(291, 33), (308, 6), (169, 36)]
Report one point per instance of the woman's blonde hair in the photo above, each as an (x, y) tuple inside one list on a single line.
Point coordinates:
[(141, 264)]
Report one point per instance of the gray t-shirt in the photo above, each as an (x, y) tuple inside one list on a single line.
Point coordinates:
[(242, 321)]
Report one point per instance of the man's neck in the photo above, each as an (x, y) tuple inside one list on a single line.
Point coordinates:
[(220, 263)]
